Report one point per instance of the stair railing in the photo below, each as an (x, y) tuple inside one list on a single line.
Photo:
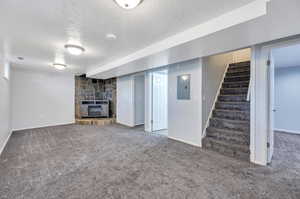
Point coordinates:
[(215, 101), (249, 89)]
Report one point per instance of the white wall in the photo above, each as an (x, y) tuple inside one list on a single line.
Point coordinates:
[(139, 99), (5, 118), (287, 99), (185, 116), (125, 100), (131, 99), (41, 99)]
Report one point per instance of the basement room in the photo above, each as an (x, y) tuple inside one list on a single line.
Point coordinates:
[(149, 99)]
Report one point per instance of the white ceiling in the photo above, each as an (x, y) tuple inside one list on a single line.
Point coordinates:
[(38, 30), (287, 56)]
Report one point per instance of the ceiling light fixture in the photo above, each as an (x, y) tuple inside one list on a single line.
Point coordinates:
[(184, 77), (128, 4), (111, 36), (74, 49), (60, 66)]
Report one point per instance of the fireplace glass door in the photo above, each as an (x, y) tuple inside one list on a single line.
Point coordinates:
[(95, 111)]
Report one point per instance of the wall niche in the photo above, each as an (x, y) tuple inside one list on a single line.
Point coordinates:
[(95, 89)]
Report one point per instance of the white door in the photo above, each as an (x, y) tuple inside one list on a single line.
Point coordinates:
[(270, 145), (159, 100)]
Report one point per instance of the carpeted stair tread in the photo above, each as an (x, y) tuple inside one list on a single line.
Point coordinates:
[(239, 147), (235, 151), (243, 103), (237, 78), (238, 69), (237, 125), (227, 131), (233, 121), (237, 73), (232, 111), (245, 67), (240, 64), (239, 106), (232, 98), (232, 114), (240, 84), (228, 91), (234, 137)]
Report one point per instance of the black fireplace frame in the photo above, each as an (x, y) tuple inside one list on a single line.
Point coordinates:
[(87, 105)]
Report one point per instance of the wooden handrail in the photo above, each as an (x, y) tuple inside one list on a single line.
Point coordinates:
[(249, 89)]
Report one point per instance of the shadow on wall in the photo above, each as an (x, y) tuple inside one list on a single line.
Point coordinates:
[(95, 89)]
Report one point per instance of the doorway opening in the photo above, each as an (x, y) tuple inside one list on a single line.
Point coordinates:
[(284, 104), (226, 103), (139, 99), (159, 102)]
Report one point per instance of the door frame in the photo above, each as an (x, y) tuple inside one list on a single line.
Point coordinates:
[(152, 91), (271, 100), (260, 102)]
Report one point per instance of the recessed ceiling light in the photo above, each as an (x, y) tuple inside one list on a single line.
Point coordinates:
[(20, 58), (128, 4), (74, 49), (185, 77), (111, 36), (60, 66)]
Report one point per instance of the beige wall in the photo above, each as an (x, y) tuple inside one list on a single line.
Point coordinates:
[(241, 55)]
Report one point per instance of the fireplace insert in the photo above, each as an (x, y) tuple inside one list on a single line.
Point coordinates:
[(95, 111), (94, 108)]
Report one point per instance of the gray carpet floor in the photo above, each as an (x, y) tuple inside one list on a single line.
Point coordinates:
[(74, 162)]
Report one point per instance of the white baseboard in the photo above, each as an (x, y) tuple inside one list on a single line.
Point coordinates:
[(138, 124), (147, 130), (5, 143), (42, 126), (288, 131), (259, 163), (126, 125), (184, 141)]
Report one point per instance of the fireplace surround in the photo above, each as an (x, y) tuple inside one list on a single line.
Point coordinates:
[(88, 91)]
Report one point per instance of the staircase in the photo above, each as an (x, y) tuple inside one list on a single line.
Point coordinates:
[(229, 127)]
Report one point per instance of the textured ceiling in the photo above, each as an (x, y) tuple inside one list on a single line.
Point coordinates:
[(38, 30)]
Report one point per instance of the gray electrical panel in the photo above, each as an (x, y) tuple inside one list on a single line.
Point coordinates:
[(184, 87)]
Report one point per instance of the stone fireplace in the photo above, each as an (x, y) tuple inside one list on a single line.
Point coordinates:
[(96, 91)]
